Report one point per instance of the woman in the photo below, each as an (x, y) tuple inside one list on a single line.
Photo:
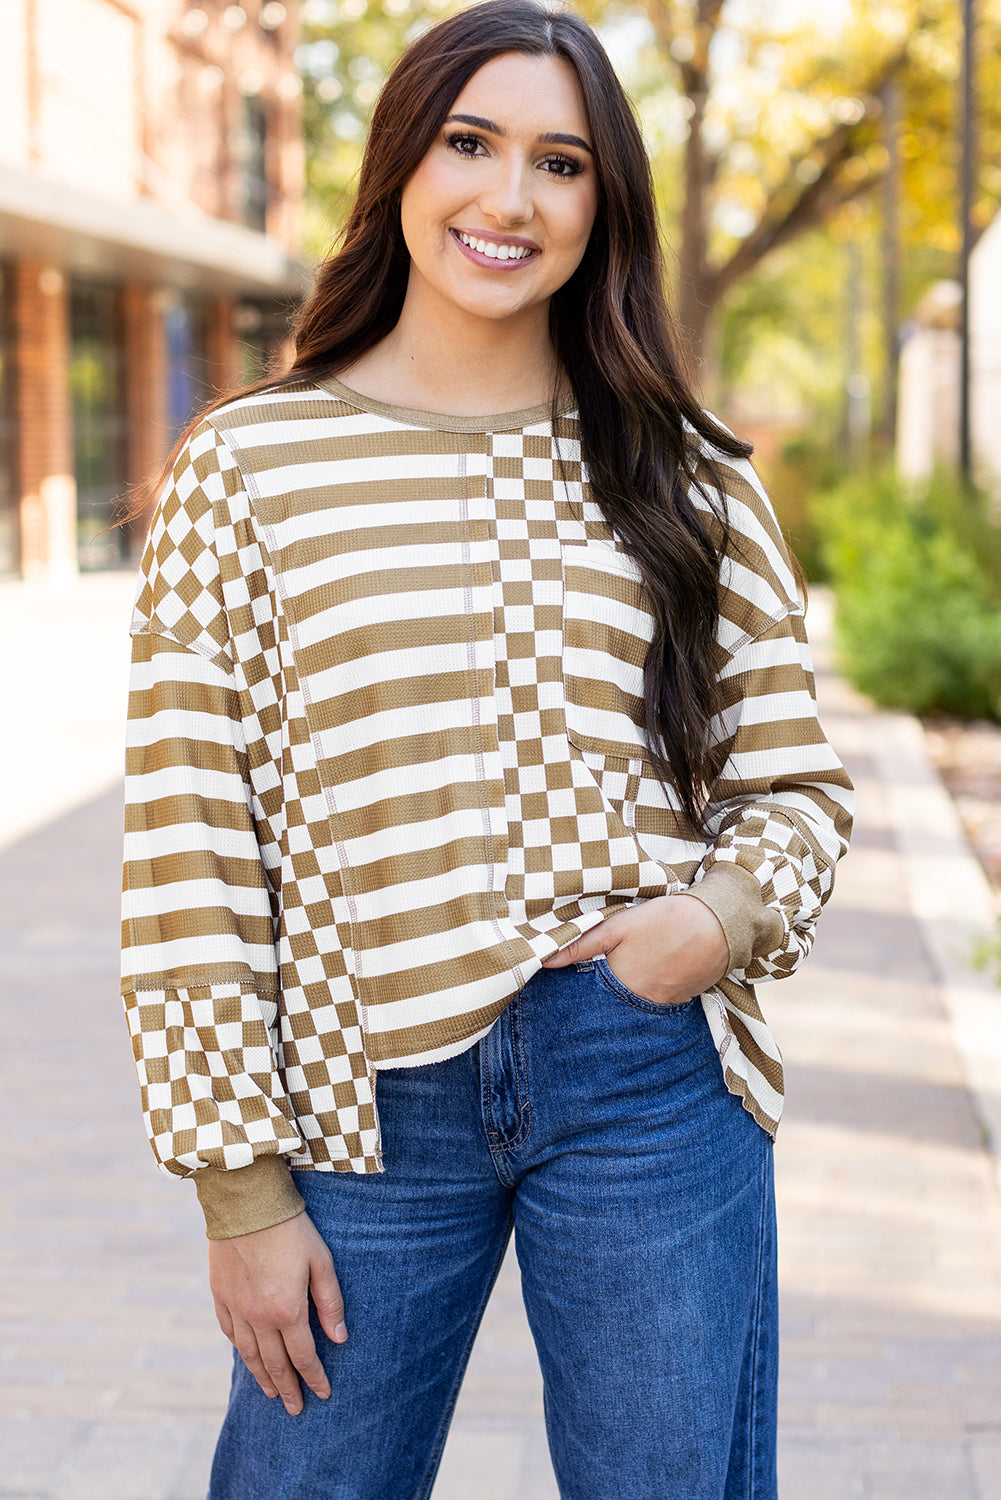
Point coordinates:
[(465, 751)]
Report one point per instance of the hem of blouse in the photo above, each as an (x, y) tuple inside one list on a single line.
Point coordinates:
[(742, 1089)]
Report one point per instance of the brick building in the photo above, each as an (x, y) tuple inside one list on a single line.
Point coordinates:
[(151, 171)]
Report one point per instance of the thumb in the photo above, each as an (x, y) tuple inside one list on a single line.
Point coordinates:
[(594, 942), (326, 1293)]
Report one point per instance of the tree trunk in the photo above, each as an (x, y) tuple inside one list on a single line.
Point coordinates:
[(694, 289)]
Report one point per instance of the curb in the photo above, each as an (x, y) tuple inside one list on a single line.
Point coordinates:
[(954, 904)]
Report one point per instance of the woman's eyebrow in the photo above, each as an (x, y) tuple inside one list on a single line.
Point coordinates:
[(551, 137)]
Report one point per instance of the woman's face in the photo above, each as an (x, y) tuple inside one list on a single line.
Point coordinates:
[(497, 216)]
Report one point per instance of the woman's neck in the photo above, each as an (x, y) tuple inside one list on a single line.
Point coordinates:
[(459, 365)]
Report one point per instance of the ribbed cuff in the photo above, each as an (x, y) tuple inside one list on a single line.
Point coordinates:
[(248, 1198), (734, 897)]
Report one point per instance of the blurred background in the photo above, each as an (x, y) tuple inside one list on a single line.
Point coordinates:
[(151, 194), (829, 173)]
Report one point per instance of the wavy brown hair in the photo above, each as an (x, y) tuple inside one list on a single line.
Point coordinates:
[(613, 335)]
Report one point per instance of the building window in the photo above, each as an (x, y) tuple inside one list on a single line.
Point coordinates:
[(188, 385), (252, 166), (100, 423), (9, 537)]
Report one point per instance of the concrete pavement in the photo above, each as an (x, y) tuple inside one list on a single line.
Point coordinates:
[(112, 1373)]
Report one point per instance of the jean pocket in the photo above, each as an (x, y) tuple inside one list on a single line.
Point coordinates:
[(612, 982)]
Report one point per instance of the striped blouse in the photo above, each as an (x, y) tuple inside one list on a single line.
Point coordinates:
[(386, 756)]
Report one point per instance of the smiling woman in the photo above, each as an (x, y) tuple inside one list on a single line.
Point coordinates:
[(474, 779), (495, 221)]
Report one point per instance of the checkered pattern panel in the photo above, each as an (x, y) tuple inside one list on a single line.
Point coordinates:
[(321, 1047), (181, 591), (209, 587), (768, 843), (566, 838), (199, 1109), (528, 642)]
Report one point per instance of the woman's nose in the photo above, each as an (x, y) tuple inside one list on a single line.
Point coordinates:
[(507, 198)]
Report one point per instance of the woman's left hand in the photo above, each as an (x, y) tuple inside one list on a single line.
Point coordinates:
[(665, 950)]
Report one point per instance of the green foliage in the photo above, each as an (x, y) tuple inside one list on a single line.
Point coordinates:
[(348, 48), (917, 578), (807, 464), (987, 954)]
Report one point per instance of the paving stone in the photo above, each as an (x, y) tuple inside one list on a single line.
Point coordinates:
[(985, 1459), (482, 1462), (125, 1461), (816, 1468), (537, 1481), (191, 1478), (919, 1471), (76, 639), (32, 1456)]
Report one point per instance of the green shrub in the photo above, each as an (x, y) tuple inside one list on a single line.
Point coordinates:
[(987, 954), (917, 579), (800, 467)]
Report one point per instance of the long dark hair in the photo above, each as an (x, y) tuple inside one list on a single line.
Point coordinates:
[(613, 337)]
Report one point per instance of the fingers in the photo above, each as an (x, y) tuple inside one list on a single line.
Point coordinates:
[(246, 1345), (597, 940), (261, 1284), (301, 1351), (564, 958), (277, 1358), (672, 951), (665, 949), (326, 1293), (279, 1374)]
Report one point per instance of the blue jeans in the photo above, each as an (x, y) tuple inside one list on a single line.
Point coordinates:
[(597, 1125)]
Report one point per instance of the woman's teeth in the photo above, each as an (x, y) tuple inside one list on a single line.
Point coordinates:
[(495, 252)]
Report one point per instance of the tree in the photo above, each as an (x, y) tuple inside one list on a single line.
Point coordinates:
[(348, 47), (781, 129)]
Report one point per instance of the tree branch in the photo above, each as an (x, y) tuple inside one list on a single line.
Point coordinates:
[(793, 206), (813, 207)]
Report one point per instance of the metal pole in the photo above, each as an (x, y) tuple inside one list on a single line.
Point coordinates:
[(891, 263), (967, 176), (858, 395)]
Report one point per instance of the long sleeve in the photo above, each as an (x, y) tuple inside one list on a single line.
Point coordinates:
[(200, 973), (781, 809)]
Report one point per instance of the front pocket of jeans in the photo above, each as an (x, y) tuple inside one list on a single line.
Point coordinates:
[(613, 983)]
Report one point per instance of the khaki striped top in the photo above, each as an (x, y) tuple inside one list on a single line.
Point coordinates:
[(386, 756)]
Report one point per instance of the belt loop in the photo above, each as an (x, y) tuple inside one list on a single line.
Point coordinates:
[(585, 966)]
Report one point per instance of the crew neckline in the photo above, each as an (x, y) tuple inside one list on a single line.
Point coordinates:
[(505, 421)]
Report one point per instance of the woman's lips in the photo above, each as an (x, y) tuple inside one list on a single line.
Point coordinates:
[(494, 262)]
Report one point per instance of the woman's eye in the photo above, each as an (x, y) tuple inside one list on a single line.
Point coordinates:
[(562, 166), (474, 145), (465, 145)]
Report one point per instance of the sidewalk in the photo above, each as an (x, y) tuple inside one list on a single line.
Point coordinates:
[(112, 1373)]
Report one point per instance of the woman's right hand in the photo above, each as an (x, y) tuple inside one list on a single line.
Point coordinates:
[(261, 1284)]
